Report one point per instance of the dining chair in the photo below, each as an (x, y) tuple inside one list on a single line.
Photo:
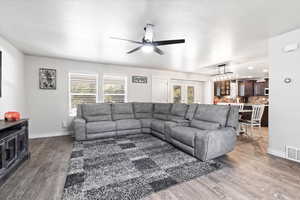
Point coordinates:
[(241, 108), (255, 121), (240, 105)]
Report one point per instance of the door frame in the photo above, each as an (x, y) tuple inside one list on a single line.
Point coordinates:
[(184, 85)]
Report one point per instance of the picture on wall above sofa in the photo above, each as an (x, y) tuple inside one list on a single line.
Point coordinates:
[(139, 79), (47, 78)]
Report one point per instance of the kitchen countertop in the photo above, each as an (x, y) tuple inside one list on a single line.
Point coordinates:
[(251, 104)]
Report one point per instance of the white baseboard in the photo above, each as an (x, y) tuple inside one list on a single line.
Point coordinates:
[(277, 153), (49, 134)]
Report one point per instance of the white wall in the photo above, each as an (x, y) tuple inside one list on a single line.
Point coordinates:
[(13, 95), (284, 98), (48, 108)]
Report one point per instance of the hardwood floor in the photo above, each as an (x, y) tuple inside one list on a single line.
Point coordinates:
[(251, 174)]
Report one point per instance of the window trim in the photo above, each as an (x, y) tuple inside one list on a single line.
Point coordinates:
[(125, 86), (87, 94)]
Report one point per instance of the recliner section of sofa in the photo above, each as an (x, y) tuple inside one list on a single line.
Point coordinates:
[(144, 112), (204, 131), (160, 116), (209, 134), (123, 115), (98, 119)]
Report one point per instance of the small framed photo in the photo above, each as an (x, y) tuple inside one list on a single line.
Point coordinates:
[(47, 79)]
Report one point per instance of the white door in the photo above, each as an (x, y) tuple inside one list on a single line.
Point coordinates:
[(159, 90), (186, 91)]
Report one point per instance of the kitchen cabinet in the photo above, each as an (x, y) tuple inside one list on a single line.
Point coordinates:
[(246, 88), (259, 88), (222, 88)]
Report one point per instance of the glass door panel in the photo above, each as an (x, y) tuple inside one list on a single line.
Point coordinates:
[(190, 94), (177, 95), (11, 150)]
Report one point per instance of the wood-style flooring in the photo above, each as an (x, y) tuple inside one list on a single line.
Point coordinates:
[(252, 174)]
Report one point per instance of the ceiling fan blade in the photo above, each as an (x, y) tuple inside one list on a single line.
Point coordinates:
[(157, 50), (132, 41), (136, 49), (167, 42)]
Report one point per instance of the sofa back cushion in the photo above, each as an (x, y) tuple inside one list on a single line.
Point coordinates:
[(191, 111), (212, 113), (178, 111), (233, 117), (143, 110), (122, 111), (162, 111), (96, 112)]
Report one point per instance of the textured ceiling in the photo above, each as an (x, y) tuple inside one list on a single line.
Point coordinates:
[(215, 31)]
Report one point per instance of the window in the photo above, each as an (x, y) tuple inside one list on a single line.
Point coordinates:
[(83, 89), (114, 89)]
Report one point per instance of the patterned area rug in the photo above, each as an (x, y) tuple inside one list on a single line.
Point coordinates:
[(130, 167)]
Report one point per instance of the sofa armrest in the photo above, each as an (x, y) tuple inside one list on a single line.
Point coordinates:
[(79, 126), (211, 144)]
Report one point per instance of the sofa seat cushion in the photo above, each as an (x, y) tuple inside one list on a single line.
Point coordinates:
[(128, 124), (182, 122), (101, 126), (146, 123), (204, 125), (185, 135), (164, 117), (158, 125)]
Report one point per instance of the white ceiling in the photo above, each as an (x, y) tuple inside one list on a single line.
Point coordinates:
[(215, 31)]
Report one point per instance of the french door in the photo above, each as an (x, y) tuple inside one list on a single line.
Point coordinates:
[(184, 92)]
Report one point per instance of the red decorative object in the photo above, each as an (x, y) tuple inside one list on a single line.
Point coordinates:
[(12, 116)]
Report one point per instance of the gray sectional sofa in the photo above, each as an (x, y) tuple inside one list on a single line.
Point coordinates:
[(204, 131)]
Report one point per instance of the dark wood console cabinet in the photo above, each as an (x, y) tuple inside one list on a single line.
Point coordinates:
[(13, 146)]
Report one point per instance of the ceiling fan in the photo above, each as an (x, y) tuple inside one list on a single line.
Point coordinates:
[(147, 44)]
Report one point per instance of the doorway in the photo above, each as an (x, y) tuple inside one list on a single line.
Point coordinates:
[(186, 91)]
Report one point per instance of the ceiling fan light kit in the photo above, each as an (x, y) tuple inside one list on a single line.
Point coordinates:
[(147, 48), (147, 43)]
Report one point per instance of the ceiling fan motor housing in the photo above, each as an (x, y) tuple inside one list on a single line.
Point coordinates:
[(148, 37)]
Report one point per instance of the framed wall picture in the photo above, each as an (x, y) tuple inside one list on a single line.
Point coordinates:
[(0, 74), (47, 78), (139, 79)]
